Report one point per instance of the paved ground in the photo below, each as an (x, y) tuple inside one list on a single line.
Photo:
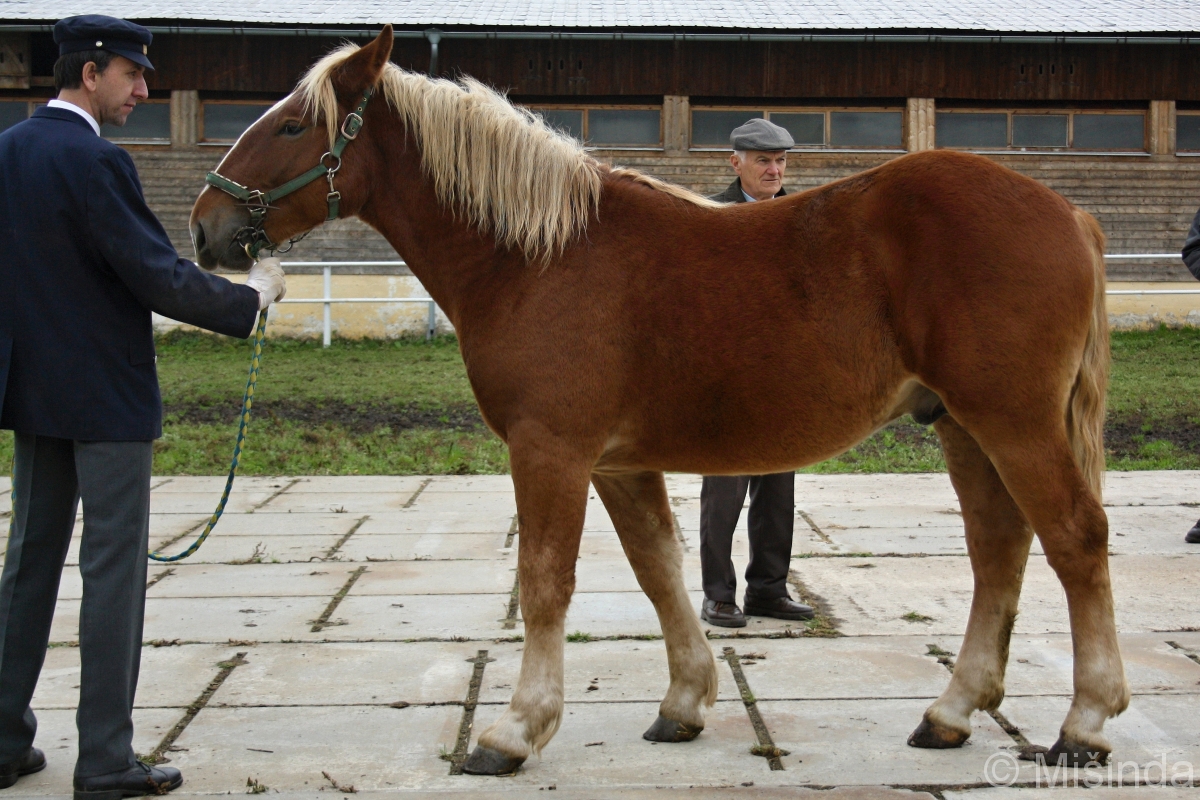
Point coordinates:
[(358, 626)]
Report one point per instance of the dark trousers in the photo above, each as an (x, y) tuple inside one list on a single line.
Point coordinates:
[(50, 477), (772, 509)]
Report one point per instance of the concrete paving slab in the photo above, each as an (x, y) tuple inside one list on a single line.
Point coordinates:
[(489, 504), (57, 737), (221, 549), (846, 668), (437, 577), (216, 484), (1152, 726), (353, 503), (355, 484), (287, 749), (350, 673), (406, 616), (220, 619), (1043, 665), (1151, 530), (265, 523), (1081, 792), (171, 677), (904, 541), (1151, 488), (621, 671), (470, 484), (204, 502), (915, 488), (832, 517), (430, 546), (874, 601), (845, 742), (414, 521), (720, 756), (252, 580)]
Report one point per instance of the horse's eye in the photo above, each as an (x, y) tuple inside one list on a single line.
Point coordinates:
[(291, 129)]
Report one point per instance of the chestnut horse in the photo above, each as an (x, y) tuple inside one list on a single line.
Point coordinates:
[(615, 327)]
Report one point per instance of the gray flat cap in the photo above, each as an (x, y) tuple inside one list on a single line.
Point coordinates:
[(759, 134)]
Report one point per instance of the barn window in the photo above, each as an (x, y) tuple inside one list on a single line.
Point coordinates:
[(713, 127), (622, 128), (12, 112), (1187, 132), (148, 123), (810, 127), (224, 122), (1109, 132), (1039, 130), (971, 130)]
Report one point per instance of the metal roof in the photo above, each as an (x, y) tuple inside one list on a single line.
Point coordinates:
[(1048, 17)]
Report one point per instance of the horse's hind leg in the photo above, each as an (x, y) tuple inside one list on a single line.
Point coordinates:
[(998, 538), (551, 486), (641, 513), (1044, 478)]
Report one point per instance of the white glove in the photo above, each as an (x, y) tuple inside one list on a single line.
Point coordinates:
[(266, 277)]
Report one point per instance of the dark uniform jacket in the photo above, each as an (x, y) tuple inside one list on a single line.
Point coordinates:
[(734, 193), (83, 262), (1191, 247)]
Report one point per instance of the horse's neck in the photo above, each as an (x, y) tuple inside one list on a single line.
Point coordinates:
[(449, 256)]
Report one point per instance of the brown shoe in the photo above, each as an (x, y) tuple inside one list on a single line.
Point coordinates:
[(779, 608), (725, 615)]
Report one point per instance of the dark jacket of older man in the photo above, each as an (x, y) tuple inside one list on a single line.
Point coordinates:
[(1191, 247)]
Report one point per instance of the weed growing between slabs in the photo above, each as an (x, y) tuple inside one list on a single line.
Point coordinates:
[(401, 407)]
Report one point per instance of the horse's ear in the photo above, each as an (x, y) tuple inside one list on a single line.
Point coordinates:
[(363, 69)]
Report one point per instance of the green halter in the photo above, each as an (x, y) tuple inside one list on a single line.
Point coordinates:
[(252, 237)]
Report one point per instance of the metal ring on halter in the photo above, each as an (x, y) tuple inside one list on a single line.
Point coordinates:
[(337, 163)]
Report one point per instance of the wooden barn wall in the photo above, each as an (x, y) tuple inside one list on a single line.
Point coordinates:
[(775, 71), (1145, 205)]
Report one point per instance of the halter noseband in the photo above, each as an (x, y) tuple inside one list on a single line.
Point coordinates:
[(253, 237)]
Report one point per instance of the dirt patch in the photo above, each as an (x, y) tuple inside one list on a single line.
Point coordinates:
[(1126, 435), (355, 417)]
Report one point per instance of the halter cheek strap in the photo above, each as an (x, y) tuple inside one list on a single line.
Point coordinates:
[(253, 237)]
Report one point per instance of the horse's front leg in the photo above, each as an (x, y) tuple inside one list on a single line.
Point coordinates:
[(551, 484), (641, 512)]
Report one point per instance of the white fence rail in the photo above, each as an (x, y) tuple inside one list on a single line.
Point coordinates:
[(327, 300)]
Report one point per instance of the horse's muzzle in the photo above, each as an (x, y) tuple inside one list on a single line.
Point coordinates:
[(215, 238)]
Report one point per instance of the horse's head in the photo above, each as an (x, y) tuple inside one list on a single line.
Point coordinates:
[(289, 140)]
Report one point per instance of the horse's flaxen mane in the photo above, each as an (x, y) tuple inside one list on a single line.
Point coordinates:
[(502, 167)]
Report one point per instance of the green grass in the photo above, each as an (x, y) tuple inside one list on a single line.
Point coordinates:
[(405, 407)]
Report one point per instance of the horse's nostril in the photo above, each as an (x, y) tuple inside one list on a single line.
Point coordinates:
[(198, 236)]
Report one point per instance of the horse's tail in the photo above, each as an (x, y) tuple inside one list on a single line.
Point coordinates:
[(1086, 410)]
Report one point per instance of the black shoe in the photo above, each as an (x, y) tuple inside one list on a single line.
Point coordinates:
[(779, 608), (725, 615), (33, 761), (140, 779), (1193, 536)]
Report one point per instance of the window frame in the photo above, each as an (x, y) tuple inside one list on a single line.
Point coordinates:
[(1070, 113), (827, 110), (202, 141), (1187, 112), (586, 107)]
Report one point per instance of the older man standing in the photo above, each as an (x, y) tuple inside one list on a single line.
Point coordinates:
[(759, 159), (85, 263)]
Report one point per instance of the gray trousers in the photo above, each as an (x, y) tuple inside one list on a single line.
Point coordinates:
[(50, 477), (772, 510)]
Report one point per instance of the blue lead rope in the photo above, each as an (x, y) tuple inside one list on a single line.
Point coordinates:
[(243, 420)]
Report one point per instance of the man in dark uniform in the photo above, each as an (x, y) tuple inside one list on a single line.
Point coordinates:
[(84, 264), (759, 159), (1191, 257)]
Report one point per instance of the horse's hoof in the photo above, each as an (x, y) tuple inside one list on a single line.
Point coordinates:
[(486, 761), (1074, 754), (668, 730), (936, 737)]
